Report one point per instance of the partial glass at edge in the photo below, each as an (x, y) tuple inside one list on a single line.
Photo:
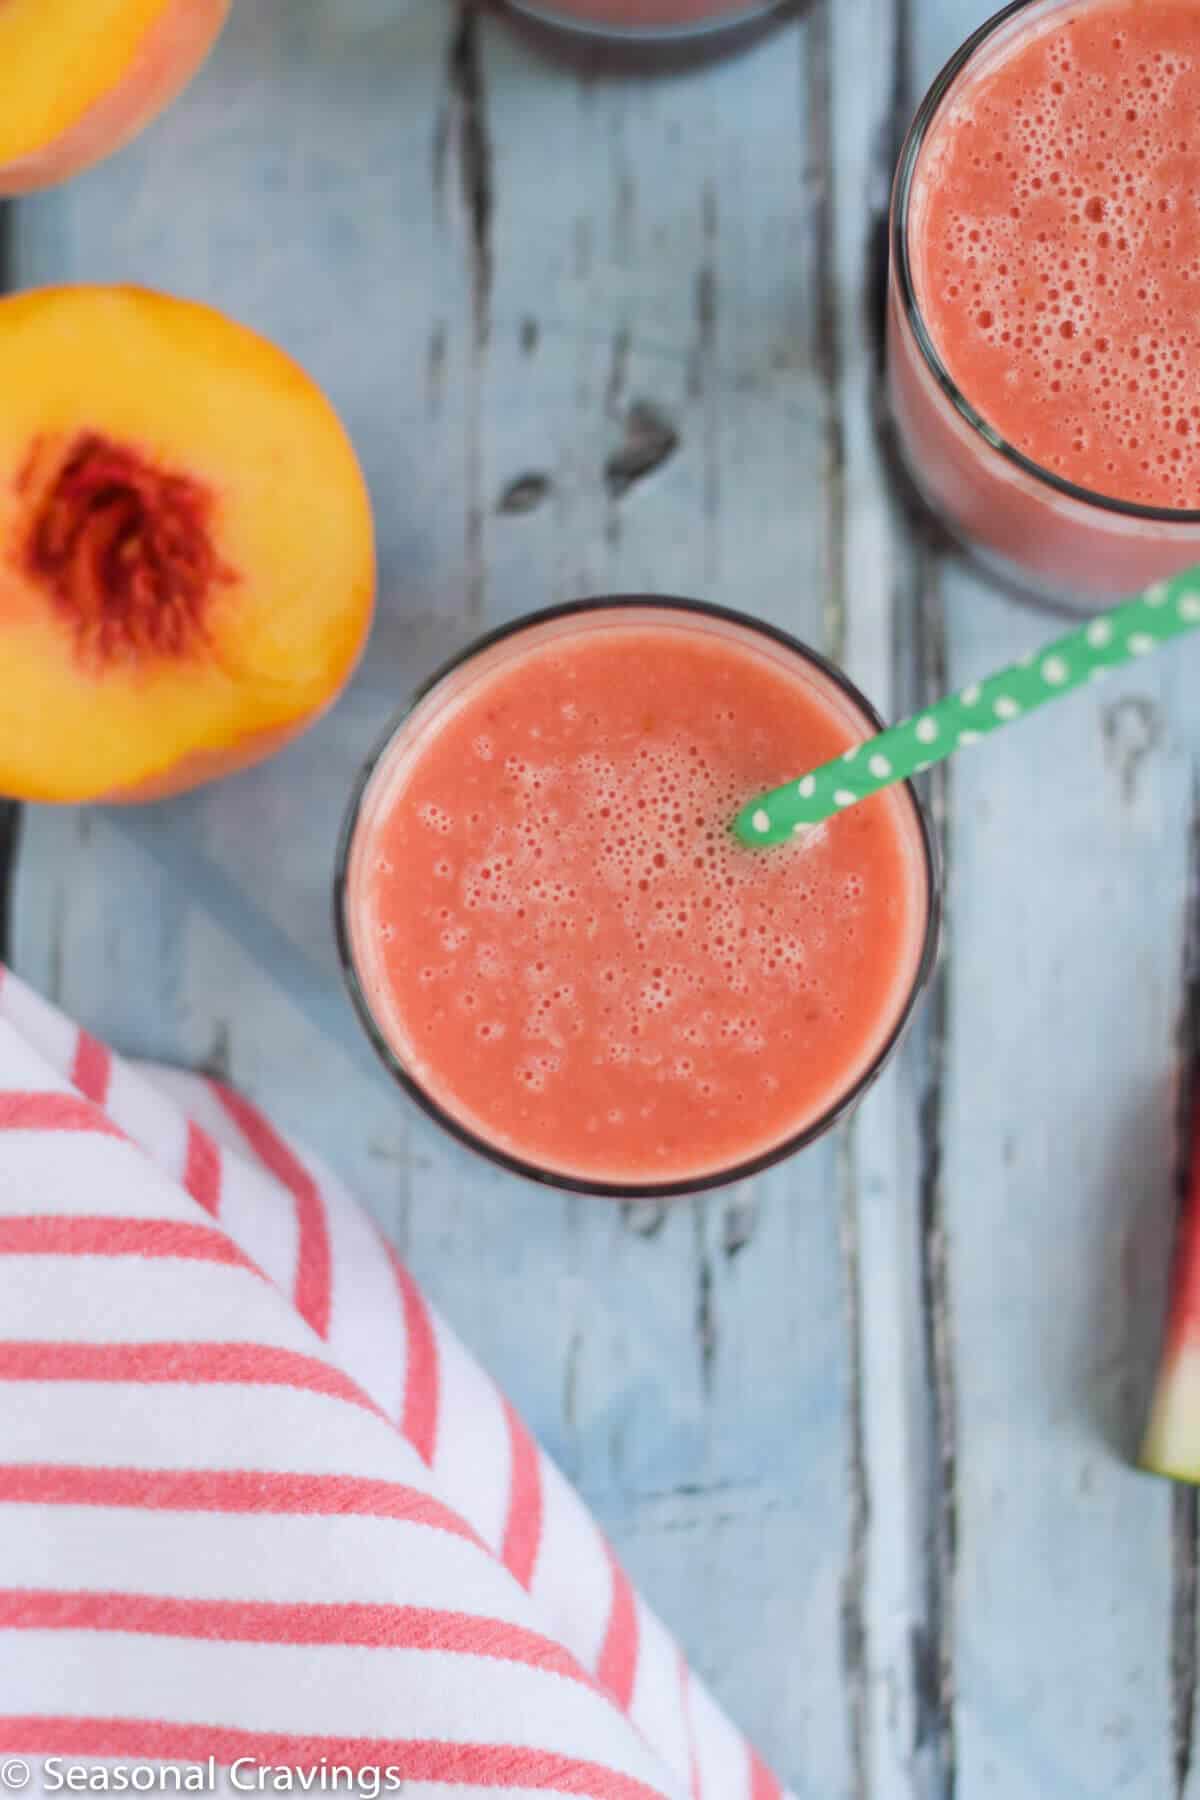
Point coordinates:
[(455, 677), (1052, 542), (645, 21)]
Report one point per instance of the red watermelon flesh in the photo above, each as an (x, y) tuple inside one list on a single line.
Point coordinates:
[(1172, 1444)]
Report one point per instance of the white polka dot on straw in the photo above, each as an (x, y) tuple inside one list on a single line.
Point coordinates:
[(926, 730), (807, 787), (844, 797), (1141, 643), (1189, 608), (852, 753), (1158, 595), (1099, 633), (1055, 671), (1006, 707), (968, 737), (970, 695), (761, 821), (880, 767)]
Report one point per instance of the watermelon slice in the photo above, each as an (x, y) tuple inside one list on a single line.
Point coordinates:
[(1172, 1444)]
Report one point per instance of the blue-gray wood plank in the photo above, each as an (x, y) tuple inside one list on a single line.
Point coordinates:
[(856, 1427), (1068, 862)]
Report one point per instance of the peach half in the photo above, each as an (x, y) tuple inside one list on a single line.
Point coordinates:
[(82, 77), (187, 566)]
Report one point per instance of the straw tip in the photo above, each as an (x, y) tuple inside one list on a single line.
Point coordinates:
[(753, 827)]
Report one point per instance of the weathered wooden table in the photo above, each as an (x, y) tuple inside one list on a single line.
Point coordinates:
[(859, 1427)]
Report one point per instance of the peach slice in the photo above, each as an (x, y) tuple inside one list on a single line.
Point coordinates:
[(82, 77), (187, 566)]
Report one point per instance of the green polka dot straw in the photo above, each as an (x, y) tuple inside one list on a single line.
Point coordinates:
[(1134, 629)]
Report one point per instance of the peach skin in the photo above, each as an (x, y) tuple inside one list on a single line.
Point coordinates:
[(82, 77)]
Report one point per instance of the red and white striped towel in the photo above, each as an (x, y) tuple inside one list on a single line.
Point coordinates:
[(255, 1498)]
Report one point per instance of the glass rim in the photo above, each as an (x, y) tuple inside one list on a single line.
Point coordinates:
[(1186, 518), (740, 12), (564, 1180)]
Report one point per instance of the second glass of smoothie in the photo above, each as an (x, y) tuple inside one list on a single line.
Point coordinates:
[(1044, 306), (557, 945)]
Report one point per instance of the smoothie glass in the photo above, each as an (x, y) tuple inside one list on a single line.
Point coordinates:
[(447, 695), (1034, 531)]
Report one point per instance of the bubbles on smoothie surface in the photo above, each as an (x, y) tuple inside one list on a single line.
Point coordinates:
[(587, 919), (631, 846), (1059, 255)]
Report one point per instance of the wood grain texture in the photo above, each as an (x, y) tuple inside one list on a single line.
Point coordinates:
[(1069, 870), (893, 1607)]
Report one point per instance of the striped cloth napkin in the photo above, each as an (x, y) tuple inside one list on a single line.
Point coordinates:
[(257, 1502)]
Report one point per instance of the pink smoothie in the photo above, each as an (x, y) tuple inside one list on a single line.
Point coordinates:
[(558, 936), (1059, 266), (1053, 232)]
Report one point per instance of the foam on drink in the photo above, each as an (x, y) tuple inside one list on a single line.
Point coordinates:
[(1056, 242), (572, 954)]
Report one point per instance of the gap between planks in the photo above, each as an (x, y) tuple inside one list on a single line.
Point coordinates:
[(10, 813), (1184, 1571), (935, 1675), (852, 299), (461, 132)]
